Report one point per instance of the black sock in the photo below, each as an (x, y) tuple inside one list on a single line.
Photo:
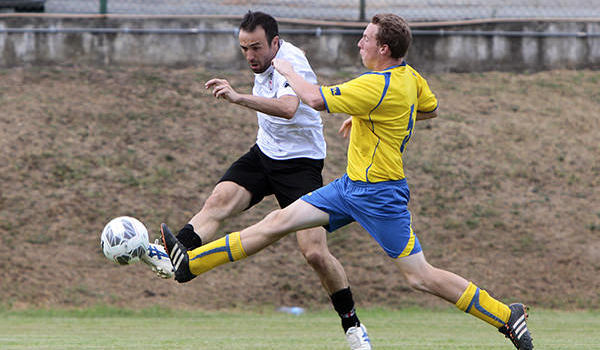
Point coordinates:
[(344, 305), (188, 237)]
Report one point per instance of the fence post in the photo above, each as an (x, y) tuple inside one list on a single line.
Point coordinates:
[(362, 17), (103, 6)]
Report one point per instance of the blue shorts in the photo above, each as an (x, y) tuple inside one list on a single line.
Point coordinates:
[(380, 208)]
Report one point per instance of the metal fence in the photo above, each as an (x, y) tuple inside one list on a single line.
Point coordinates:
[(340, 10)]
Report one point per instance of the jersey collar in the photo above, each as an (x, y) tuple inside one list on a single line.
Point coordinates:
[(397, 65)]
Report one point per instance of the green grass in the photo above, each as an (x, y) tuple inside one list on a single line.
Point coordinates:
[(107, 328)]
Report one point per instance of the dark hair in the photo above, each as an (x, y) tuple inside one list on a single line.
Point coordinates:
[(393, 32), (253, 19)]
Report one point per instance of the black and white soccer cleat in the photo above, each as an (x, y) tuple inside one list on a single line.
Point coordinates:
[(178, 255), (516, 327)]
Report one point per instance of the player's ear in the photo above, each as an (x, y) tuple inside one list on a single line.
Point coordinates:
[(275, 41), (384, 50)]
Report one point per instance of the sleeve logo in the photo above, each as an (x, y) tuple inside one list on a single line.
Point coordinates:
[(335, 91)]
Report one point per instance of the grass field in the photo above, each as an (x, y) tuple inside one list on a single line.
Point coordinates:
[(106, 328)]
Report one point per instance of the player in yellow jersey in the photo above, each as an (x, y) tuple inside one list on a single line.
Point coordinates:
[(384, 104)]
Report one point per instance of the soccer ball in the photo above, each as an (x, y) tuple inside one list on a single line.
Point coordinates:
[(124, 240)]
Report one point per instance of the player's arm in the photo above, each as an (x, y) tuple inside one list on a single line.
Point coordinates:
[(426, 115), (428, 103), (309, 93), (344, 129), (284, 106)]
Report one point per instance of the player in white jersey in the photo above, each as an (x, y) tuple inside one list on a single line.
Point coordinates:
[(286, 161), (279, 137)]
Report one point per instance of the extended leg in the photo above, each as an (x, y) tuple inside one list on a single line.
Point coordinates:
[(226, 200), (421, 276), (452, 288), (238, 245), (468, 298), (313, 244)]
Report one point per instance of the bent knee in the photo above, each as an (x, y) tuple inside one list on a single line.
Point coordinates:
[(217, 200), (315, 257), (222, 204), (422, 280), (417, 283)]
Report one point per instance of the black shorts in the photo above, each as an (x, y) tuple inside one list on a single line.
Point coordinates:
[(287, 179)]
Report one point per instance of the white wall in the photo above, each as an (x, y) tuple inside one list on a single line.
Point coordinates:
[(431, 53)]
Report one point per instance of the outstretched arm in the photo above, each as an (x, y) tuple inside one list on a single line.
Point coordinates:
[(309, 94), (284, 107)]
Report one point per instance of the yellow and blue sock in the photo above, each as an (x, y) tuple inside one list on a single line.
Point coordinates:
[(215, 253), (480, 304)]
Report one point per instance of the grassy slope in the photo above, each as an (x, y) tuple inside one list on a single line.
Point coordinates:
[(504, 185)]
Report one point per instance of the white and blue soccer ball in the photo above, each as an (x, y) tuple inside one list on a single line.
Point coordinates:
[(124, 240)]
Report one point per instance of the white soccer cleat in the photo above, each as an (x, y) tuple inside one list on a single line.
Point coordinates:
[(158, 259), (358, 338)]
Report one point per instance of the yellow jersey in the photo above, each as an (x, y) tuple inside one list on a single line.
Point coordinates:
[(383, 106)]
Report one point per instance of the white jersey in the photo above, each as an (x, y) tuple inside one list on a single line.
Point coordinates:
[(298, 137)]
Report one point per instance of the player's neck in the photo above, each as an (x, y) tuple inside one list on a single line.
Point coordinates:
[(387, 63)]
